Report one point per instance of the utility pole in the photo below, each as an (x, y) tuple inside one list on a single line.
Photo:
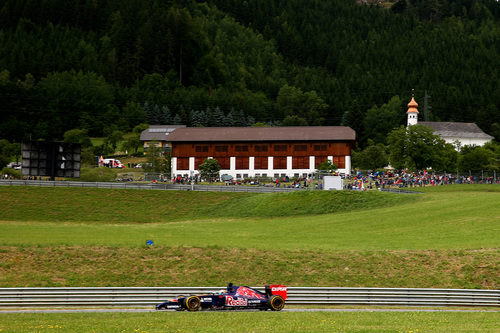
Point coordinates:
[(426, 106)]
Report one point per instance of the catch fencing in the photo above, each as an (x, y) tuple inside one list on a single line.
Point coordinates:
[(148, 297), (147, 186)]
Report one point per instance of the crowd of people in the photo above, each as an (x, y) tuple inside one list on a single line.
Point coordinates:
[(356, 181), (405, 179)]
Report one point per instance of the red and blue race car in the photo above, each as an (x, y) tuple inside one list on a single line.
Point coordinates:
[(232, 298)]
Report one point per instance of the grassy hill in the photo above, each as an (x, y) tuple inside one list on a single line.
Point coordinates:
[(446, 237), (140, 206)]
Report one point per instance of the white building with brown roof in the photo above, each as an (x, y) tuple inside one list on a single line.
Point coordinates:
[(458, 134), (275, 152)]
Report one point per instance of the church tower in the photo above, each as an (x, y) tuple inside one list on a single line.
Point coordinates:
[(412, 112)]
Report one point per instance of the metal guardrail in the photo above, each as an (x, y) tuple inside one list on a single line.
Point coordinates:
[(150, 186), (233, 188), (145, 297), (397, 190)]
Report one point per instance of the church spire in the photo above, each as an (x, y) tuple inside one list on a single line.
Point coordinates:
[(412, 110)]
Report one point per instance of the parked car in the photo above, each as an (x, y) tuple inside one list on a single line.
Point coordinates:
[(234, 297)]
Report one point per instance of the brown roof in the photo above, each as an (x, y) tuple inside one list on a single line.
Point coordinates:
[(158, 132), (452, 129), (292, 133)]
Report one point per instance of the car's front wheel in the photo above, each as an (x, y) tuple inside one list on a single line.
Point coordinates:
[(276, 303), (192, 303)]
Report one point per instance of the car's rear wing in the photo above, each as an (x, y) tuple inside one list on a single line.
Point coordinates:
[(277, 289)]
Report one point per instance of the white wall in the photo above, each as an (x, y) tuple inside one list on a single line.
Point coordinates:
[(270, 172), (465, 141)]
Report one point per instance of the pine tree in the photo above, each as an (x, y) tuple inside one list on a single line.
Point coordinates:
[(198, 118), (239, 119), (149, 113), (177, 120), (218, 117), (165, 117), (229, 118), (250, 121), (154, 115), (209, 115)]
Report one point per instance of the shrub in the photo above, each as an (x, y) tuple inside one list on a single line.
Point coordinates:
[(16, 174)]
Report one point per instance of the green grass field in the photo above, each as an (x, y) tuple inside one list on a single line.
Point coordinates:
[(99, 217), (408, 322), (446, 237), (143, 206)]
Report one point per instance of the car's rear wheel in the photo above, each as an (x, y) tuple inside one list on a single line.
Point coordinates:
[(276, 303), (192, 303)]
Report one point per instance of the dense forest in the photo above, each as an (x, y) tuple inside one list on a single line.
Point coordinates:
[(106, 65)]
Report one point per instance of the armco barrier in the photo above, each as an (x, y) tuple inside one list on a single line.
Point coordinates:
[(147, 186), (146, 297)]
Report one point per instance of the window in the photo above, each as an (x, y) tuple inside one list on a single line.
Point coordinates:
[(201, 149), (299, 162), (260, 162), (279, 162), (182, 163), (260, 148), (339, 161), (319, 159), (199, 161), (221, 149), (241, 148), (279, 147), (300, 147), (242, 163), (224, 162), (319, 147)]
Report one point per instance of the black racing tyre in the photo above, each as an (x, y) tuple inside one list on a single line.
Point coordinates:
[(192, 303), (276, 303)]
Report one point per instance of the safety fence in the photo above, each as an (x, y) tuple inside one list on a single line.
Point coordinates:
[(397, 190), (148, 297), (147, 186)]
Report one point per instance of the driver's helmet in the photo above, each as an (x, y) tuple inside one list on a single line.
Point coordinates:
[(220, 292)]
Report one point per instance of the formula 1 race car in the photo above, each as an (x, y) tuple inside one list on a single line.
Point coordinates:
[(234, 297)]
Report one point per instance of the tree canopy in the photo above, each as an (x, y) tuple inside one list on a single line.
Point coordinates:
[(209, 169), (415, 148), (110, 65)]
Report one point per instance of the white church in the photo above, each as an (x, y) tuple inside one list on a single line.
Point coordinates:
[(458, 134)]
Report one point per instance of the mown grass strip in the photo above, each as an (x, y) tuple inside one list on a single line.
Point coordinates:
[(253, 322), (179, 266)]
